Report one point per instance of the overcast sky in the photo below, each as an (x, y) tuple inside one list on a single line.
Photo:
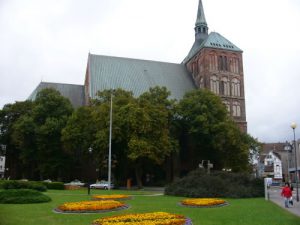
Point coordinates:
[(49, 40)]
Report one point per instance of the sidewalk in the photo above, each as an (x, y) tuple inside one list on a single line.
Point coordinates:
[(274, 196)]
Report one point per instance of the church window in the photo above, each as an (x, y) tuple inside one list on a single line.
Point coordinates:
[(214, 84), (222, 63), (225, 86), (236, 109), (235, 87), (235, 65), (213, 65), (227, 104)]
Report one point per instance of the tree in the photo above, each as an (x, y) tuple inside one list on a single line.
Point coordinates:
[(210, 134), (8, 117), (50, 115), (140, 127), (149, 136), (77, 137)]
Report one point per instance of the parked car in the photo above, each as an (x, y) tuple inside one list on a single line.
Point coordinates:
[(101, 185)]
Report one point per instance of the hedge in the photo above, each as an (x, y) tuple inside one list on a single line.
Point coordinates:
[(217, 184), (22, 196)]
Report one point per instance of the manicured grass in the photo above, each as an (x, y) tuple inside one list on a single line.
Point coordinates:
[(255, 211)]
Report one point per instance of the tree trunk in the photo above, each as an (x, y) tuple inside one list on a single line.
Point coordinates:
[(138, 175)]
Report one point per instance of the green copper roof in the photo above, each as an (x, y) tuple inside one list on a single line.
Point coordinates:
[(75, 93), (107, 72), (214, 40)]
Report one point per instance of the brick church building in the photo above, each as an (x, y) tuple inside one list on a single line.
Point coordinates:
[(213, 63)]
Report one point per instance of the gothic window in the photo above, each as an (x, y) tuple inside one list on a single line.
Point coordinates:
[(214, 84), (234, 65), (227, 104), (225, 86), (222, 63), (236, 109), (235, 87), (201, 84), (213, 65)]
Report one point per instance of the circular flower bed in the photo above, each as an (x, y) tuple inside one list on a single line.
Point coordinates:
[(110, 197), (203, 202), (155, 218), (90, 206)]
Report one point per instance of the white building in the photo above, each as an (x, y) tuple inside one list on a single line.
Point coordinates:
[(273, 166)]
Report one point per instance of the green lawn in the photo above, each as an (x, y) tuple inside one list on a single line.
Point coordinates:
[(239, 212)]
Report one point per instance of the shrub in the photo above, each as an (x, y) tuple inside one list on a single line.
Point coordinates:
[(15, 184), (22, 196), (54, 185), (217, 184)]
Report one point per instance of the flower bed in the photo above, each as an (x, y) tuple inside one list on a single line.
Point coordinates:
[(155, 218), (203, 202), (90, 206), (110, 197)]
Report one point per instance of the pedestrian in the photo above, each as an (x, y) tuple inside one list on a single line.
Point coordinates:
[(287, 194)]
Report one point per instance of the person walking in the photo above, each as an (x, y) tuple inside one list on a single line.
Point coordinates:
[(287, 194)]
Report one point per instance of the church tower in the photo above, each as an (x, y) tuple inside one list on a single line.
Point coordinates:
[(217, 64)]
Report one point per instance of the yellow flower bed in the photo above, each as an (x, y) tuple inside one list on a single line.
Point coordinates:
[(90, 205), (104, 197), (155, 218), (202, 202)]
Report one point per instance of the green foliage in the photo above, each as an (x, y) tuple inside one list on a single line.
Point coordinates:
[(217, 184), (22, 196), (16, 184), (54, 185), (210, 133), (9, 115)]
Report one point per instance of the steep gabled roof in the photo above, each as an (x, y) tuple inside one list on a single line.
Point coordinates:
[(75, 93), (108, 72), (214, 40)]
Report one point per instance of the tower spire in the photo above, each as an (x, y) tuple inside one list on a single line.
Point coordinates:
[(201, 28)]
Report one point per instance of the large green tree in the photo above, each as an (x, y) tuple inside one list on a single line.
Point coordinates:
[(140, 127), (209, 133), (38, 136), (9, 115), (78, 137), (149, 125), (50, 114)]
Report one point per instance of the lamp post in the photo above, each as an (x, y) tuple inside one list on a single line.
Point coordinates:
[(288, 147), (88, 184), (110, 136), (293, 126)]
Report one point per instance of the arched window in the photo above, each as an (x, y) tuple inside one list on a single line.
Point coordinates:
[(214, 84), (213, 62), (225, 86), (236, 109), (235, 87), (227, 104), (222, 63)]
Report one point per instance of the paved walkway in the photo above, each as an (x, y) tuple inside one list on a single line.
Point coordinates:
[(274, 196)]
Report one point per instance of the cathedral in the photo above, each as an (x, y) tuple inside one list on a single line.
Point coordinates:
[(213, 62)]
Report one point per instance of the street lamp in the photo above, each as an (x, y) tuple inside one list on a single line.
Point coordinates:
[(293, 126)]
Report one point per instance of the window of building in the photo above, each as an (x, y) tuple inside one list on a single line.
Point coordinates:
[(213, 65), (222, 63), (236, 109), (227, 104), (235, 87), (225, 86), (214, 84)]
